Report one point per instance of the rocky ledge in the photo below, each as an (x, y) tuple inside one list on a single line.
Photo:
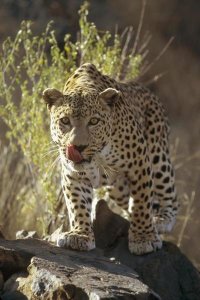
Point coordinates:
[(36, 269)]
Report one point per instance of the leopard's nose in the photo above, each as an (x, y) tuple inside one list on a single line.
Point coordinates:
[(80, 148)]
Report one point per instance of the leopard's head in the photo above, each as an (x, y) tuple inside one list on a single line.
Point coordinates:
[(81, 122)]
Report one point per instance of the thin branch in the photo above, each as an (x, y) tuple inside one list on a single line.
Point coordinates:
[(124, 32), (187, 218), (144, 44), (126, 44), (144, 2), (149, 66), (128, 36), (144, 55), (155, 78)]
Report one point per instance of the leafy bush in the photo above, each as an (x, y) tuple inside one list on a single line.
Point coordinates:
[(31, 63)]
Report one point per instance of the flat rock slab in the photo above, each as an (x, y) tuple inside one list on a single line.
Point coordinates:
[(168, 271), (108, 272), (55, 273)]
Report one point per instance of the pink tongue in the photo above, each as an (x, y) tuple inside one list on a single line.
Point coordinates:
[(73, 154)]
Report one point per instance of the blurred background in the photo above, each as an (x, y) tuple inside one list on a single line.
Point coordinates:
[(174, 77)]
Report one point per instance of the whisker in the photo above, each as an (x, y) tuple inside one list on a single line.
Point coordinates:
[(52, 147), (50, 152), (108, 171), (51, 144), (51, 167)]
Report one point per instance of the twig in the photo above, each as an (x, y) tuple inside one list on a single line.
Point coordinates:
[(149, 66), (144, 2), (155, 78), (125, 50), (186, 219), (144, 44)]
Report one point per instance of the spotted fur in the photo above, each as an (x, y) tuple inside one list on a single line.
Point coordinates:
[(127, 150)]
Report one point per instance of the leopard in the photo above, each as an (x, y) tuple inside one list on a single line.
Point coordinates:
[(115, 135)]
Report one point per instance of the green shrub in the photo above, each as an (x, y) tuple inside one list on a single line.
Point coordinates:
[(31, 63)]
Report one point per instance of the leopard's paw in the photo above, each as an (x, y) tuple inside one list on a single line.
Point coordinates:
[(76, 241), (141, 245)]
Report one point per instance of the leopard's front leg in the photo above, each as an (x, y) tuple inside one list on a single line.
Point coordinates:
[(143, 236), (78, 197)]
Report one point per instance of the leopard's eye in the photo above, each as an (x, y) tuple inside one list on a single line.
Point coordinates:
[(93, 121), (65, 121)]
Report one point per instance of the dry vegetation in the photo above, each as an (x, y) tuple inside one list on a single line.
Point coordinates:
[(28, 64)]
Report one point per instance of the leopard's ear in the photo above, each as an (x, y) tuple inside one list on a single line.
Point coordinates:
[(50, 96), (109, 96)]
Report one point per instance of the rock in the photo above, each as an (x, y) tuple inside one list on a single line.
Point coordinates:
[(11, 284), (168, 272), (24, 234), (54, 236), (62, 273), (105, 281), (12, 260), (1, 235), (1, 281), (15, 295), (112, 227), (108, 272)]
